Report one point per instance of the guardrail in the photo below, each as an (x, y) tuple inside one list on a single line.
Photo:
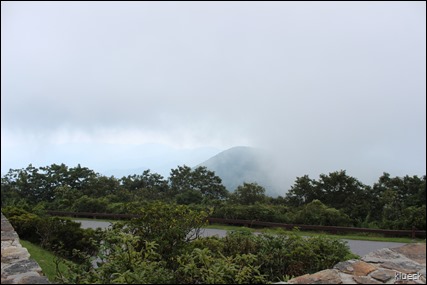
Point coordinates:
[(254, 223)]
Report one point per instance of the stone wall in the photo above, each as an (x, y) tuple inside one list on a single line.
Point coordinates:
[(16, 265), (383, 266)]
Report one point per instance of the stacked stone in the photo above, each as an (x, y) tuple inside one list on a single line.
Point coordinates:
[(402, 265), (16, 265)]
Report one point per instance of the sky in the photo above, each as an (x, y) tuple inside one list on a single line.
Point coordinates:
[(323, 86)]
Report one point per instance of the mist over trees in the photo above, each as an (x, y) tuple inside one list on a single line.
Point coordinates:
[(332, 199)]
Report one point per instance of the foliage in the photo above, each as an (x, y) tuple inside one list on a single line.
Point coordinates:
[(189, 196), (200, 179), (392, 202), (303, 191), (384, 204), (260, 212), (280, 255), (316, 213), (120, 262), (248, 194), (149, 186), (170, 226), (202, 267), (93, 205), (56, 234), (24, 223)]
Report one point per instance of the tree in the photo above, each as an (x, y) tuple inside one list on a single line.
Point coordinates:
[(316, 213), (248, 194), (146, 180), (200, 179), (398, 198), (303, 191), (346, 193)]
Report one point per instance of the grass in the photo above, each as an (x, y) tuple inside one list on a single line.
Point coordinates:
[(361, 236), (44, 258)]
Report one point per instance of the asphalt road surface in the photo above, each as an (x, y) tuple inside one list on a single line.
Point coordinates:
[(359, 247)]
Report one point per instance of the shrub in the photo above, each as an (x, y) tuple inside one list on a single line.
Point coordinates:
[(240, 242), (24, 223), (120, 262), (170, 226), (202, 267), (56, 234)]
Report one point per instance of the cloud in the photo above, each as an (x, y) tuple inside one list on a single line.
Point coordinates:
[(322, 85)]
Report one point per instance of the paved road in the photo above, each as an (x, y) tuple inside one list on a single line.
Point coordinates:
[(359, 247)]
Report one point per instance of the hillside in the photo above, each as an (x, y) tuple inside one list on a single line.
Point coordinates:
[(242, 164)]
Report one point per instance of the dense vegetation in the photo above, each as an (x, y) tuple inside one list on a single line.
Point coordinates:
[(336, 199), (163, 245)]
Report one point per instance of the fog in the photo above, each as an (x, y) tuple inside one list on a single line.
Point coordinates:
[(321, 86)]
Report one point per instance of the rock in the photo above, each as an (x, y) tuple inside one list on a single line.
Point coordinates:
[(22, 266), (14, 253), (328, 276), (16, 267), (403, 266), (383, 275), (34, 280), (413, 251), (346, 278), (365, 280), (381, 255), (355, 267), (346, 266), (362, 268)]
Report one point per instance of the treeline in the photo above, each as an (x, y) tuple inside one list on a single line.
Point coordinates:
[(336, 199)]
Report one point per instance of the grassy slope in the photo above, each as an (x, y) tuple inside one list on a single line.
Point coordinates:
[(44, 258)]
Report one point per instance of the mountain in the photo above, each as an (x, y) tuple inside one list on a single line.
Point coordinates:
[(242, 164)]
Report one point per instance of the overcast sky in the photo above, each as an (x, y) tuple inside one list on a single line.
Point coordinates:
[(325, 85)]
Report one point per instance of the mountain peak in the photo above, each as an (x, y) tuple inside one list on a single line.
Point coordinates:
[(241, 164)]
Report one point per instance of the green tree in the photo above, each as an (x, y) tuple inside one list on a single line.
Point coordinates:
[(397, 197), (303, 191), (248, 194), (91, 205), (200, 179), (316, 213)]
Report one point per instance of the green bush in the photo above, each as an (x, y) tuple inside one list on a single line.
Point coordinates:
[(240, 242), (287, 254), (56, 234), (214, 244), (120, 262), (65, 236), (24, 223), (202, 267), (170, 226)]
